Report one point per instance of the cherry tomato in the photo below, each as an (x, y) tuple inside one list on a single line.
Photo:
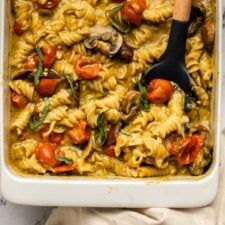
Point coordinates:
[(31, 62), (45, 154), (47, 87), (190, 149), (18, 101), (129, 14), (61, 169), (186, 149), (80, 133), (17, 27), (138, 5), (56, 138), (159, 91), (110, 151), (49, 55), (86, 67), (50, 4)]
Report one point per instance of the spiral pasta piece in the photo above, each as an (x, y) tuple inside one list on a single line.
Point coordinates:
[(21, 121), (23, 87)]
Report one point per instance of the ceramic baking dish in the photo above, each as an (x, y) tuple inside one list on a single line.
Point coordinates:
[(110, 192)]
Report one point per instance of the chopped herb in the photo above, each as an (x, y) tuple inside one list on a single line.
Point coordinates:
[(125, 133), (34, 124), (74, 92), (117, 20), (100, 132), (39, 68), (144, 105), (64, 160)]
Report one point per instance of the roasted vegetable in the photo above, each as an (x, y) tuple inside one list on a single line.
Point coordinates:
[(198, 13), (125, 53), (208, 33), (130, 105), (105, 39)]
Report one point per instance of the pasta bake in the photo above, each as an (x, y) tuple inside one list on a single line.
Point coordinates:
[(78, 103)]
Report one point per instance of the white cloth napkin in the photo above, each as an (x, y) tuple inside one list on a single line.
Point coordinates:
[(214, 214)]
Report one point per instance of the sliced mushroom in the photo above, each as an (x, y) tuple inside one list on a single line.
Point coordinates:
[(113, 134), (198, 12), (105, 39), (88, 149), (21, 74), (208, 33), (130, 105), (125, 53)]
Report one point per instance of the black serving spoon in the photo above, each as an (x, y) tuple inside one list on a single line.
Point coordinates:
[(172, 65)]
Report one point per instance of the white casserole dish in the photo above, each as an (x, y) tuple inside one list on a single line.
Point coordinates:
[(116, 192)]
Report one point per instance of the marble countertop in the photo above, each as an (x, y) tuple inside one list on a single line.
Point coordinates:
[(13, 214)]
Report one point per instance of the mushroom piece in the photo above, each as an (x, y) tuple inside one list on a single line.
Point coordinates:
[(105, 39), (198, 12), (113, 134), (125, 53), (21, 74), (204, 131), (208, 33), (130, 105)]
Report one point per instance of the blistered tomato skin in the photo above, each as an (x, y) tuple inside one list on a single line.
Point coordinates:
[(159, 91), (18, 28), (47, 87), (81, 132), (18, 101), (56, 138), (45, 154), (86, 68)]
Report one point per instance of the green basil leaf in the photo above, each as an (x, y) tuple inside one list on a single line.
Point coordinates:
[(34, 124), (141, 88), (74, 92), (100, 135), (144, 104), (124, 132), (116, 19), (64, 160), (39, 68)]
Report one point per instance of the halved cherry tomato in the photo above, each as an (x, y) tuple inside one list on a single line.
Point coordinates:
[(86, 68), (129, 14), (192, 146), (31, 62), (45, 154), (17, 27), (61, 169), (56, 138), (159, 91), (80, 133), (50, 4), (186, 149), (47, 87), (49, 55), (110, 151), (18, 101), (132, 11), (138, 5)]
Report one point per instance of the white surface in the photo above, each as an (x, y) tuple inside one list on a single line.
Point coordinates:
[(12, 214)]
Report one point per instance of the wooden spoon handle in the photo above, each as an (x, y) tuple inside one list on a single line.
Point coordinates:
[(182, 10)]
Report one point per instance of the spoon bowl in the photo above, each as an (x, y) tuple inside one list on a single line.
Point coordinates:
[(172, 65)]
